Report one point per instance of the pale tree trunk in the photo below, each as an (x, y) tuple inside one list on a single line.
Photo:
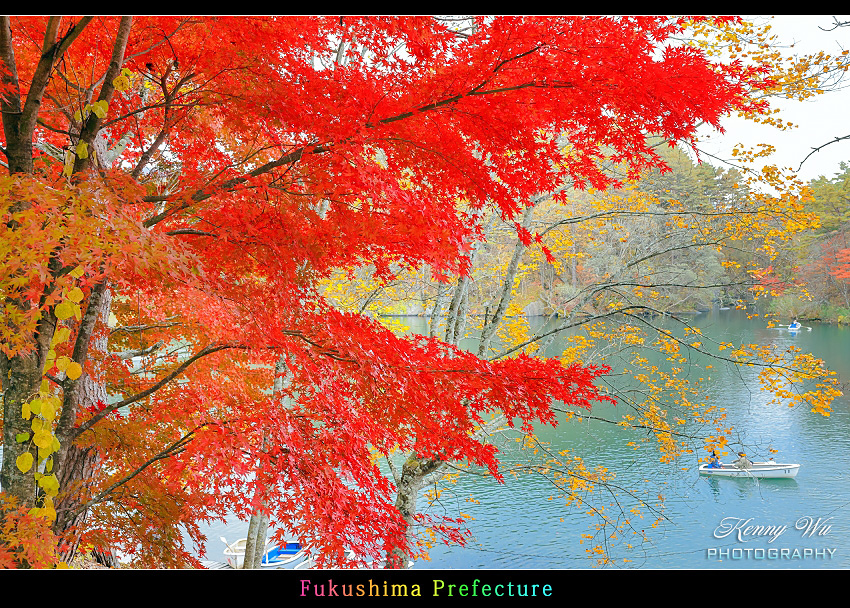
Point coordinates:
[(255, 546), (492, 324), (456, 316), (411, 478), (440, 301), (415, 472), (258, 523)]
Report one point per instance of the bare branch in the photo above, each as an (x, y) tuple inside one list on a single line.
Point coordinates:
[(169, 322), (819, 148), (138, 352)]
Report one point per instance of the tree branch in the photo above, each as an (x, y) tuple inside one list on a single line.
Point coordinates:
[(819, 148), (93, 123), (207, 350), (175, 448)]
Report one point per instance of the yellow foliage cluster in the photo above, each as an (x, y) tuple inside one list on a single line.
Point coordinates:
[(44, 408)]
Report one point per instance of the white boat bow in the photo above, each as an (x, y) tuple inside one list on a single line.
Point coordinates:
[(759, 470)]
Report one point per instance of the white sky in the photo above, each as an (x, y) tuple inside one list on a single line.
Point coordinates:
[(820, 120)]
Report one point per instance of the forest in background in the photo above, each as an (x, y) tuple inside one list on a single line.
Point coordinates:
[(810, 280), (599, 235)]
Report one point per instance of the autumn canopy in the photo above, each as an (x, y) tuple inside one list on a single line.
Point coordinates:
[(181, 186)]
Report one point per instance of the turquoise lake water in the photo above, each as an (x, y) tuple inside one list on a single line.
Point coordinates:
[(707, 522)]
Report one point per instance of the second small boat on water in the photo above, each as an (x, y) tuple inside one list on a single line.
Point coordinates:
[(759, 470)]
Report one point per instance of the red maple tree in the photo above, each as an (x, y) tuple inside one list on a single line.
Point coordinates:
[(178, 187), (840, 269)]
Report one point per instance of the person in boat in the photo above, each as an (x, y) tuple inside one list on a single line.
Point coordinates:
[(714, 461), (795, 324), (742, 462)]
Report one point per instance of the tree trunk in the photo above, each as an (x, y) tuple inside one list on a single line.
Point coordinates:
[(258, 524), (77, 468), (414, 472), (255, 547), (21, 379), (505, 296)]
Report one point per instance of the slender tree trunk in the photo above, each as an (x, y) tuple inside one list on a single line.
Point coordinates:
[(21, 379), (507, 287), (255, 546), (258, 523)]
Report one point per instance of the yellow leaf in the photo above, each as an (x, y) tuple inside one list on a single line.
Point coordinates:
[(49, 511), (77, 272), (24, 462), (64, 310), (68, 167), (26, 412), (83, 149), (75, 295), (74, 370), (62, 334), (50, 485), (121, 83), (100, 108), (48, 412), (62, 363), (43, 439)]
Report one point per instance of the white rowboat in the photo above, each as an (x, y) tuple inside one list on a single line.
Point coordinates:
[(276, 556), (759, 470)]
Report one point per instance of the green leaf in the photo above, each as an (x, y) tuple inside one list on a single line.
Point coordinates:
[(22, 437)]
